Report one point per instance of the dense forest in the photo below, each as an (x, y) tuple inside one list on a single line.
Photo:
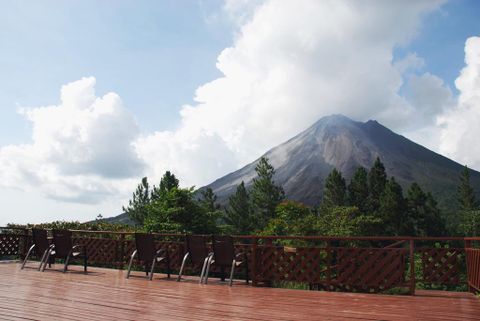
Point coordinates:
[(370, 204)]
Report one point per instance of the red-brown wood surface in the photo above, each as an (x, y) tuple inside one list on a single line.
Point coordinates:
[(105, 294)]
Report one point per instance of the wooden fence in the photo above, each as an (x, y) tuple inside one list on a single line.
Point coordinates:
[(472, 249), (359, 264)]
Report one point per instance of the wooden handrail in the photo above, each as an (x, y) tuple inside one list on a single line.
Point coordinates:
[(288, 237)]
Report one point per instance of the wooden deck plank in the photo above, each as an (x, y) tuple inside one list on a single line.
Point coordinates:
[(105, 294)]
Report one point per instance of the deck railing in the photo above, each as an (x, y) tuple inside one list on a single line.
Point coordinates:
[(472, 250), (363, 264)]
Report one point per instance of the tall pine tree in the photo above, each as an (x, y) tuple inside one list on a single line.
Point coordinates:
[(136, 208), (238, 214), (392, 210), (167, 183), (377, 179), (265, 194), (423, 211), (470, 213), (358, 190), (434, 223), (335, 189), (208, 200), (466, 196)]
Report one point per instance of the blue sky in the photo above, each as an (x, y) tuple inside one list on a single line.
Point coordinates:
[(194, 76), (442, 38), (155, 53)]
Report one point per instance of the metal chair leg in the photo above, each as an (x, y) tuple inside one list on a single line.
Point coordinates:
[(208, 269), (46, 259), (153, 267), (130, 264), (85, 259), (43, 258), (182, 266), (27, 256), (204, 266), (67, 259), (231, 272)]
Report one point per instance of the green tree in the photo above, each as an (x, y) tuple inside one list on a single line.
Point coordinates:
[(238, 214), (423, 212), (265, 194), (208, 200), (212, 212), (377, 178), (292, 218), (167, 183), (466, 196), (416, 209), (178, 211), (136, 208), (393, 210), (346, 221), (358, 190), (335, 189), (433, 224), (470, 223)]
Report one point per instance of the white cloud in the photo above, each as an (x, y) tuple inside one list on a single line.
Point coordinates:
[(81, 151), (460, 128), (195, 157), (295, 62), (430, 96), (291, 63)]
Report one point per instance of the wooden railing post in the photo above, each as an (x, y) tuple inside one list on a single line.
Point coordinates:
[(412, 266), (23, 245), (254, 261), (467, 245), (122, 250), (329, 265)]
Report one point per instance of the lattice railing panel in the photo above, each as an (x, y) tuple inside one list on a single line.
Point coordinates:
[(330, 268), (298, 265), (441, 265), (368, 269), (101, 250), (175, 251), (9, 244)]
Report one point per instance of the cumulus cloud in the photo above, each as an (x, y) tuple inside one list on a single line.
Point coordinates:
[(430, 97), (295, 62), (290, 64), (81, 151), (195, 157), (460, 126)]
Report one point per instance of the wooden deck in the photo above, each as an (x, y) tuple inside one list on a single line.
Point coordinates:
[(105, 294)]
